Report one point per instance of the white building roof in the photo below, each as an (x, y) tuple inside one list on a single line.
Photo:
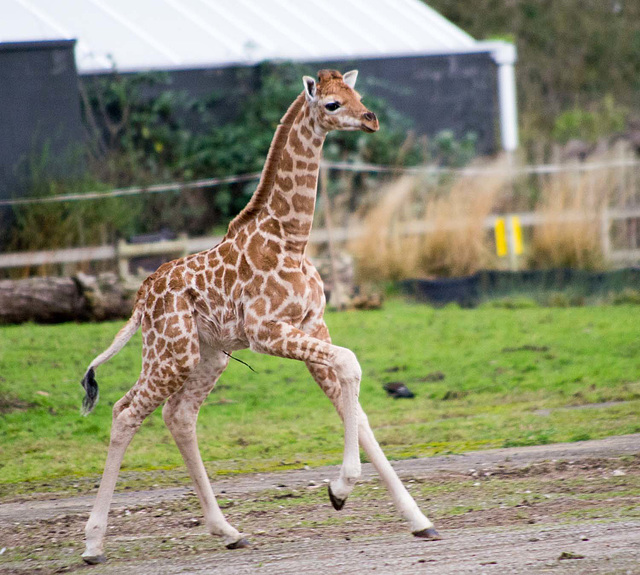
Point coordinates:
[(182, 34)]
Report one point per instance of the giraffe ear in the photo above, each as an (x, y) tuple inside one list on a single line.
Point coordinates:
[(349, 78), (310, 90)]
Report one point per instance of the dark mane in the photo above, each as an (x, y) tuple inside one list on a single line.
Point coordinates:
[(270, 169)]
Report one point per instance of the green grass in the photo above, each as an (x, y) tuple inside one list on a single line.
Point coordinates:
[(512, 377)]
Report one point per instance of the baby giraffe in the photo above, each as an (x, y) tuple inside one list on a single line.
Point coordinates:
[(256, 289)]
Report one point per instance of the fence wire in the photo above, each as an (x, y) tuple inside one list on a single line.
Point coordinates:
[(513, 171)]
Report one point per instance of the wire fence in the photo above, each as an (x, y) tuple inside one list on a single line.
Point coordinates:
[(514, 171), (133, 191)]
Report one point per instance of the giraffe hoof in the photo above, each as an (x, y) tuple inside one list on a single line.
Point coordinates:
[(338, 504), (429, 534), (239, 544), (94, 559)]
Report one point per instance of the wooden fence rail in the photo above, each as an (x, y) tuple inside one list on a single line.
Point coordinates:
[(183, 245)]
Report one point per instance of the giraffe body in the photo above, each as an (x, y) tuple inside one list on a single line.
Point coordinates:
[(256, 289)]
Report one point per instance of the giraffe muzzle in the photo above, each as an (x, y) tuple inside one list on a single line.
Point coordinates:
[(370, 123)]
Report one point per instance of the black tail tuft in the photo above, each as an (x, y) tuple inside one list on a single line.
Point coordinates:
[(91, 388)]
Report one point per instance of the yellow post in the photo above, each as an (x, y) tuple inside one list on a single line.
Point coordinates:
[(517, 235), (501, 238), (514, 241)]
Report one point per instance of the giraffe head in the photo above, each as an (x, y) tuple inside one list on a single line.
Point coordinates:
[(335, 105)]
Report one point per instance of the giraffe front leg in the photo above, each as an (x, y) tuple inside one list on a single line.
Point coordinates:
[(328, 381), (419, 524), (283, 340), (351, 468)]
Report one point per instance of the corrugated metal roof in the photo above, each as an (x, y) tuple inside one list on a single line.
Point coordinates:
[(173, 34)]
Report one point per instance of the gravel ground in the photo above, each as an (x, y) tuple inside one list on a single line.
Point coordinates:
[(584, 520)]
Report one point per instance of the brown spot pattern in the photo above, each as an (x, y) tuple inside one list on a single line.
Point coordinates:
[(297, 146), (286, 163), (303, 204), (285, 183), (279, 205)]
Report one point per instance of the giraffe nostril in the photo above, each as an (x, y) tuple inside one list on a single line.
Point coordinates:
[(369, 116)]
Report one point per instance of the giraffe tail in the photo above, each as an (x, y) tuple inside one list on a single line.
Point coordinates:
[(124, 335)]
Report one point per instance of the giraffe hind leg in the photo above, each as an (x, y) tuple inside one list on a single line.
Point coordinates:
[(126, 422), (180, 414), (128, 414)]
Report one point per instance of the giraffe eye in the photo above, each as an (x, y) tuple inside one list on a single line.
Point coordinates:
[(332, 106)]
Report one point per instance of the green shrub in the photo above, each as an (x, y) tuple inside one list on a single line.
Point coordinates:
[(601, 120)]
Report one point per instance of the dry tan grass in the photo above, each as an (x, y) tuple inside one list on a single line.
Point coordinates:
[(452, 214), (570, 235), (457, 242), (384, 251), (572, 205)]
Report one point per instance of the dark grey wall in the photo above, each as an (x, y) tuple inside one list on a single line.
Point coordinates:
[(39, 105), (454, 92)]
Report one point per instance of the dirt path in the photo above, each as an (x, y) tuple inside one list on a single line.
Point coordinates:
[(566, 508)]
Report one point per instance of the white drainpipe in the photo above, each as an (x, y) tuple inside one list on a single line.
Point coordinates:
[(504, 55)]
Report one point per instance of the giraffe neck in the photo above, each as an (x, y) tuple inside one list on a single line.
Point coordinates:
[(293, 195)]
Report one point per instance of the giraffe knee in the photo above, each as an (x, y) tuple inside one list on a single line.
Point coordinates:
[(363, 420), (169, 413), (124, 426), (177, 418), (122, 404), (347, 366)]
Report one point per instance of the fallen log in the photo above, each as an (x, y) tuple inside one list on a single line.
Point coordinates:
[(55, 300)]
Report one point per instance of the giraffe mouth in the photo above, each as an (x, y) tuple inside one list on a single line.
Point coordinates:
[(367, 129)]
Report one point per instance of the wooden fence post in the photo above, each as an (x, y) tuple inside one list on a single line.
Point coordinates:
[(605, 234), (123, 261), (184, 238)]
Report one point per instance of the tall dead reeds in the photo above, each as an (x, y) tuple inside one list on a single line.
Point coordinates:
[(438, 225), (422, 228), (457, 242), (571, 206), (569, 235), (385, 251)]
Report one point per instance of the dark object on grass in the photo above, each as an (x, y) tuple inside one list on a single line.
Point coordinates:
[(540, 348), (398, 389)]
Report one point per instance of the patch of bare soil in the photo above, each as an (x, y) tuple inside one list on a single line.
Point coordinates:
[(570, 508)]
